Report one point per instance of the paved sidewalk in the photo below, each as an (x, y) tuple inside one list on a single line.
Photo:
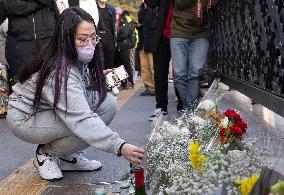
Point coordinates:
[(13, 152)]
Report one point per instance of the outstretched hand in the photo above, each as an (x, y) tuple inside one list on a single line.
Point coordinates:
[(133, 154)]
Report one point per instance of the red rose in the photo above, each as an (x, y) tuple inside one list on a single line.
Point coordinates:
[(236, 130), (222, 139), (222, 132), (241, 124), (222, 135), (231, 114)]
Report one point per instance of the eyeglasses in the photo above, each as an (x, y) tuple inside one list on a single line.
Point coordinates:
[(84, 40)]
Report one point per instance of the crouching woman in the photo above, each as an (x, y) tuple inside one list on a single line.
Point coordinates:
[(61, 104)]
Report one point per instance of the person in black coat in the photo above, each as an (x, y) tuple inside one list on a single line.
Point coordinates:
[(106, 31), (124, 40), (148, 28), (144, 47), (30, 29)]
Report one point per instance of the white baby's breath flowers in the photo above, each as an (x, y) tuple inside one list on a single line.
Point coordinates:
[(179, 122), (157, 137), (198, 121), (207, 105), (169, 130), (184, 130), (219, 171), (236, 155)]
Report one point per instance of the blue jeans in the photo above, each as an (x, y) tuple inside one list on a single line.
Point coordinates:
[(189, 57)]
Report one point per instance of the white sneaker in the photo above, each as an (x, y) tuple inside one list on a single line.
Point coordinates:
[(157, 111), (47, 167), (77, 162)]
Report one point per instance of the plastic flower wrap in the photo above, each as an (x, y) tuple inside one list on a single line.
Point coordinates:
[(208, 106)]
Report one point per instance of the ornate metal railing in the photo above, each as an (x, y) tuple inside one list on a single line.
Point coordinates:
[(247, 48)]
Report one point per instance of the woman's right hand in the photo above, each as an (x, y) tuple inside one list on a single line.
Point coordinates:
[(133, 154)]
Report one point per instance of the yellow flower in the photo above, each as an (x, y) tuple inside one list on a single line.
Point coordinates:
[(246, 184), (196, 158)]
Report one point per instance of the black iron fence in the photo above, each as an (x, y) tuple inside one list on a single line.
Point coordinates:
[(247, 48)]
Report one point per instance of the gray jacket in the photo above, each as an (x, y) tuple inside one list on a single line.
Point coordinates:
[(78, 116)]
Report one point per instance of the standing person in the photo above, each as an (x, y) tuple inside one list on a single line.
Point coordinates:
[(4, 91), (118, 13), (30, 29), (89, 6), (136, 57), (144, 45), (189, 47), (3, 36), (60, 102), (106, 30), (134, 41), (162, 51), (124, 40)]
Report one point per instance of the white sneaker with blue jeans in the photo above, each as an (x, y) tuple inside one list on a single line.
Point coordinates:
[(77, 162)]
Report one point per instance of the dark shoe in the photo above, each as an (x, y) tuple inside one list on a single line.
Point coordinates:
[(147, 93)]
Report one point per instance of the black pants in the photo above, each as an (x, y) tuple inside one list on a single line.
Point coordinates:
[(137, 61), (109, 50), (161, 69)]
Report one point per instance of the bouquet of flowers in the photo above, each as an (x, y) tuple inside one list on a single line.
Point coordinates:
[(233, 127), (194, 155)]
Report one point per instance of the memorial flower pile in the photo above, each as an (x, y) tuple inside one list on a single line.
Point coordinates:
[(188, 156)]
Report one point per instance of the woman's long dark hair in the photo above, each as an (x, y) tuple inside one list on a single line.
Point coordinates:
[(58, 57)]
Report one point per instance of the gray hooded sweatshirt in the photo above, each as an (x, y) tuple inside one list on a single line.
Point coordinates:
[(78, 116)]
